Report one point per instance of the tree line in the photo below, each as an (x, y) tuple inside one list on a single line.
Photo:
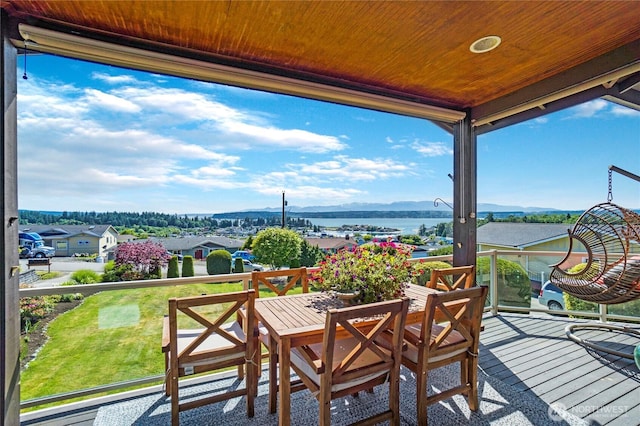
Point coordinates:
[(151, 219), (532, 218)]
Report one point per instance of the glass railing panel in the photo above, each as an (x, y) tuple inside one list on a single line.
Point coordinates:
[(513, 283), (112, 336), (630, 309)]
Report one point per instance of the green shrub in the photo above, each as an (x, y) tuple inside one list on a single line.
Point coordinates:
[(187, 267), (43, 275), (442, 251), (65, 298), (109, 266), (155, 271), (172, 269), (310, 255), (294, 263), (238, 265), (219, 262), (573, 303), (514, 285), (422, 270), (631, 308), (85, 276), (122, 273)]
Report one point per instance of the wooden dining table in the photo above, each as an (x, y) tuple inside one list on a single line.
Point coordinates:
[(298, 320)]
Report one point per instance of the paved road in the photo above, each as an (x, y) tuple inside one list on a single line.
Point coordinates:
[(68, 265)]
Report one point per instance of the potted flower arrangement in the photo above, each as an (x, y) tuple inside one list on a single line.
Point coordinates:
[(372, 272)]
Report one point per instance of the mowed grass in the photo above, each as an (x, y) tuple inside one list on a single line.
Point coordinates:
[(113, 336)]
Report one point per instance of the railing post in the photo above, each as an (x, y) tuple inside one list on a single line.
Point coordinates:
[(493, 282), (603, 312)]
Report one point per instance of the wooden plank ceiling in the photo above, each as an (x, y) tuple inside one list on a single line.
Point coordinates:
[(417, 51)]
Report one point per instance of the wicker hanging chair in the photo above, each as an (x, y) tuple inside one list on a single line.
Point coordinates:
[(611, 236)]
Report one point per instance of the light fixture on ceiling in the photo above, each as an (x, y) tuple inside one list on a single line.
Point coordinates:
[(485, 44)]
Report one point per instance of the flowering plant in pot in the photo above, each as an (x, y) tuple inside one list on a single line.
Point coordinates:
[(372, 272)]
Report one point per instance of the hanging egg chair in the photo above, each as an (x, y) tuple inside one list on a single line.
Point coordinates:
[(611, 237)]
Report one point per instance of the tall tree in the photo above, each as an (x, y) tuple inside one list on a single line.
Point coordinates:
[(277, 247)]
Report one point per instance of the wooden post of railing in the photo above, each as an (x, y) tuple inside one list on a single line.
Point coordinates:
[(493, 282)]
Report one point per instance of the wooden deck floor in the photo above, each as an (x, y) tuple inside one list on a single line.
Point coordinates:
[(530, 353)]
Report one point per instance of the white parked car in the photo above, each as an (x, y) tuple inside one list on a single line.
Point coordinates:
[(248, 266)]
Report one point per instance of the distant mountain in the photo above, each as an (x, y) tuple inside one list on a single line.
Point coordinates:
[(403, 206), (415, 209)]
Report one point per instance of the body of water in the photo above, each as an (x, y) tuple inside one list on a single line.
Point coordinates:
[(405, 226)]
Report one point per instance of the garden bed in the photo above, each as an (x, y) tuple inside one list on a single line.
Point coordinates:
[(32, 341)]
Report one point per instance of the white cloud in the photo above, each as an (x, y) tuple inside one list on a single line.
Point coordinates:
[(431, 149), (100, 99), (622, 111), (113, 79), (589, 109)]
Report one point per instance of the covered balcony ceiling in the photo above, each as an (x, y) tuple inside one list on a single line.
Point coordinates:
[(552, 54)]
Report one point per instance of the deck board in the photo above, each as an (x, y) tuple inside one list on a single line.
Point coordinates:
[(532, 354)]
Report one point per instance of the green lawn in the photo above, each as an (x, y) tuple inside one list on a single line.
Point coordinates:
[(113, 336)]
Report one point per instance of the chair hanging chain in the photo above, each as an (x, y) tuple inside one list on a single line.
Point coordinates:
[(610, 194)]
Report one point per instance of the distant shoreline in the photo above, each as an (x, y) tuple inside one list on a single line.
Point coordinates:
[(380, 214)]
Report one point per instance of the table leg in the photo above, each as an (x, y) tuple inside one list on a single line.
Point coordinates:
[(284, 387)]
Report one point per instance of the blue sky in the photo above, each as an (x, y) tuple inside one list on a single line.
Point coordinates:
[(100, 138)]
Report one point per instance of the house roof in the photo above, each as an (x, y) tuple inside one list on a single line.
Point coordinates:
[(520, 235), (66, 231), (189, 243), (330, 243), (408, 57)]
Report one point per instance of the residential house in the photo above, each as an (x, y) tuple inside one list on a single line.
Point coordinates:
[(331, 244), (531, 237), (69, 240), (199, 246)]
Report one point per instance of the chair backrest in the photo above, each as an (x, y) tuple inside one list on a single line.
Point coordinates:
[(369, 357), (290, 278), (459, 315), (216, 338), (445, 279)]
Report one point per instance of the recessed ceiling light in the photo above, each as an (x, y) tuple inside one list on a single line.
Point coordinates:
[(485, 44)]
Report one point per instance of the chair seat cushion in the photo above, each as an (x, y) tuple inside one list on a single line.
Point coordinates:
[(411, 353), (342, 348), (213, 342)]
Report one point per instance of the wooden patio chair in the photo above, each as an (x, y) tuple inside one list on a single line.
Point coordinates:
[(445, 279), (350, 360), (219, 344), (431, 345), (280, 282)]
